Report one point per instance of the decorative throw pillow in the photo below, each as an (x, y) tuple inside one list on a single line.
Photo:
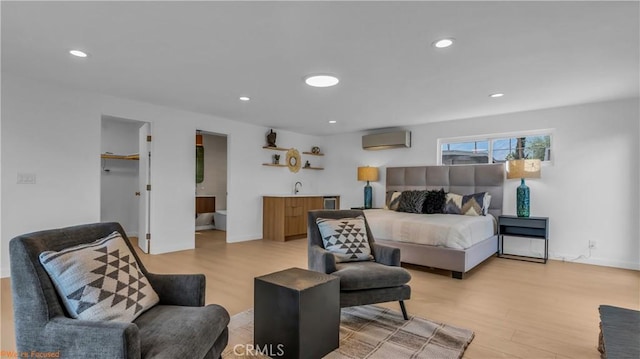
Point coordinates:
[(470, 205), (411, 201), (434, 201), (100, 280), (486, 204), (346, 238), (393, 200), (452, 204)]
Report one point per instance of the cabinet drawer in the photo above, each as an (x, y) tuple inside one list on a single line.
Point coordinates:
[(522, 222), (293, 211)]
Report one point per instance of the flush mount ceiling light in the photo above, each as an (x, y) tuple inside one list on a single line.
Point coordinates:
[(442, 43), (78, 53), (496, 95), (245, 98), (333, 121), (321, 80)]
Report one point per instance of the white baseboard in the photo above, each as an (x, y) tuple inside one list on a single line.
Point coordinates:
[(204, 228), (595, 261), (5, 272)]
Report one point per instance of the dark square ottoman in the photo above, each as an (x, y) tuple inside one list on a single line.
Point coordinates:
[(297, 313)]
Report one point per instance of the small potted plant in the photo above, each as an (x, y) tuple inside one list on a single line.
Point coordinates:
[(276, 159)]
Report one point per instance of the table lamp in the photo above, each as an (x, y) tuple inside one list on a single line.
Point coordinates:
[(368, 174), (523, 169)]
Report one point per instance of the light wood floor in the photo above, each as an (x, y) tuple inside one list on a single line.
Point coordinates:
[(517, 309)]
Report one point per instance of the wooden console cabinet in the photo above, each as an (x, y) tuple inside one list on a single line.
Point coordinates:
[(285, 217)]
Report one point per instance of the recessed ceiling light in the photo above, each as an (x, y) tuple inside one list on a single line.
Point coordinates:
[(496, 95), (245, 98), (442, 43), (78, 53), (321, 80), (333, 121)]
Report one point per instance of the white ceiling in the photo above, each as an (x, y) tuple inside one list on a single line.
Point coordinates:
[(201, 56)]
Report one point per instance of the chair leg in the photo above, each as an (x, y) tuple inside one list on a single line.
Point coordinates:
[(404, 310)]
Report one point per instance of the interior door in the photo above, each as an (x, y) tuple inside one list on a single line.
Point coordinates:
[(144, 176)]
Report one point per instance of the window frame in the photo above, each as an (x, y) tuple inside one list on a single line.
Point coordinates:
[(489, 138)]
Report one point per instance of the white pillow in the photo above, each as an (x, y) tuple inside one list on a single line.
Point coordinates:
[(346, 238), (100, 280)]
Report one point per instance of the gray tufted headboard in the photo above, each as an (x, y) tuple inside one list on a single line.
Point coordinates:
[(461, 179)]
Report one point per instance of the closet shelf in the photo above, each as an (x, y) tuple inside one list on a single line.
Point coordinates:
[(134, 157)]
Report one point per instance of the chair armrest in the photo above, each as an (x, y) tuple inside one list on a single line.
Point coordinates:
[(75, 338), (386, 255), (321, 260), (179, 289)]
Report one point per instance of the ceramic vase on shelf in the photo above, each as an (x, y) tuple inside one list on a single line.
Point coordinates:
[(271, 139)]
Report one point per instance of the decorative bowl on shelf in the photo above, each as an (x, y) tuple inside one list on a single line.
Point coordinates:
[(315, 150)]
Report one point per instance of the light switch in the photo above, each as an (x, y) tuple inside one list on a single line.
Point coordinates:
[(26, 178)]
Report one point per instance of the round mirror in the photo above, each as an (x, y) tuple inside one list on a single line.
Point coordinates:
[(293, 160)]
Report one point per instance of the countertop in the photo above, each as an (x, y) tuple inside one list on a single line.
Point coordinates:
[(301, 195)]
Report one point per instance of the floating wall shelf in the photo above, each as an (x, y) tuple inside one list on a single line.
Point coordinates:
[(275, 148)]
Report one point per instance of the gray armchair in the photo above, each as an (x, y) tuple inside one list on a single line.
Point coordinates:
[(179, 326), (361, 283)]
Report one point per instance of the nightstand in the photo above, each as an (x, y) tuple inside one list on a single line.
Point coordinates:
[(528, 227)]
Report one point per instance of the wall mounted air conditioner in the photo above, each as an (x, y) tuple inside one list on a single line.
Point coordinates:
[(386, 140)]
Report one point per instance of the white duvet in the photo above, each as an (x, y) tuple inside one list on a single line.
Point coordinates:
[(445, 230)]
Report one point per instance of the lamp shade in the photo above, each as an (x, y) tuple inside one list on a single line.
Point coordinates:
[(367, 173), (523, 169)]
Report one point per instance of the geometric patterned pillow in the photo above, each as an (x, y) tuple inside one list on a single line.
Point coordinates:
[(100, 280), (476, 204), (452, 204), (412, 201), (393, 200), (346, 238)]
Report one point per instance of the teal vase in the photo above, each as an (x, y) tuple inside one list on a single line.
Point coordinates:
[(368, 196), (522, 199)]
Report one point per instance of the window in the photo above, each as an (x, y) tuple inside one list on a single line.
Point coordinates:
[(495, 149)]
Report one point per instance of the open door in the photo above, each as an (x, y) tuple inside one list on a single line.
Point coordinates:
[(144, 176)]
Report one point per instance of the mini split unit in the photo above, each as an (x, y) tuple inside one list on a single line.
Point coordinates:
[(387, 140)]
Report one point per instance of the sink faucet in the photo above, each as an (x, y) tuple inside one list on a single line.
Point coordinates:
[(295, 187)]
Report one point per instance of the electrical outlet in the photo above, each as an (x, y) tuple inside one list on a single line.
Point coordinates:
[(592, 244), (26, 178)]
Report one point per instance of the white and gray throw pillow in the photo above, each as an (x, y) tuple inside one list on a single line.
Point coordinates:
[(393, 200), (100, 280), (346, 238), (476, 204)]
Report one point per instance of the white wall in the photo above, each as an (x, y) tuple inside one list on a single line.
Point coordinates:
[(590, 192), (119, 178), (54, 132)]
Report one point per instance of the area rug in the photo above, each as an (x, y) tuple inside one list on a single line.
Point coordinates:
[(369, 332)]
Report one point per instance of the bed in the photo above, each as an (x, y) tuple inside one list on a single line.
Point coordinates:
[(460, 179)]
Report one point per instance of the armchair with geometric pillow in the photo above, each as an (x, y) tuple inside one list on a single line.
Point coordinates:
[(340, 243), (82, 292)]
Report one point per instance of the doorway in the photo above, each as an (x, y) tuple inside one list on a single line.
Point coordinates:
[(211, 185), (125, 173)]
